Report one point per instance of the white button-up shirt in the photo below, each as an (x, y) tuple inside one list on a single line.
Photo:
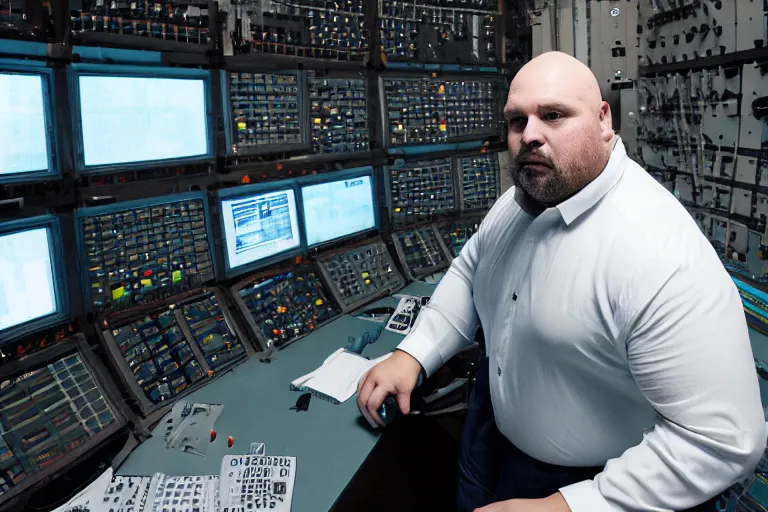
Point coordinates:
[(615, 338)]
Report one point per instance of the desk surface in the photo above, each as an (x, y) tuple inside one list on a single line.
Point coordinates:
[(327, 440)]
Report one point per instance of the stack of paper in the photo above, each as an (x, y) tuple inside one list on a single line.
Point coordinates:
[(336, 380)]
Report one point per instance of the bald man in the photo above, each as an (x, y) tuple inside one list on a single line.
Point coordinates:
[(619, 371)]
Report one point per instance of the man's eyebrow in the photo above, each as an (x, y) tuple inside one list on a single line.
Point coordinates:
[(550, 106)]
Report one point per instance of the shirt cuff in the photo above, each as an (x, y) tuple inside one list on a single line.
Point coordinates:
[(585, 497), (422, 349)]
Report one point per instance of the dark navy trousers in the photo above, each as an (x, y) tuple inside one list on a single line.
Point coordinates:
[(492, 469)]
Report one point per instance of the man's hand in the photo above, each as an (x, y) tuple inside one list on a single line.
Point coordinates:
[(397, 375), (554, 503)]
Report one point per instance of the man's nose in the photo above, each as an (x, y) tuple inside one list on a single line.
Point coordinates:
[(533, 134)]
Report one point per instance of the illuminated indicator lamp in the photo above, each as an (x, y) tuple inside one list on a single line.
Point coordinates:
[(245, 180)]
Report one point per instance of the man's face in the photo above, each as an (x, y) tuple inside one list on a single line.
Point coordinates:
[(556, 140)]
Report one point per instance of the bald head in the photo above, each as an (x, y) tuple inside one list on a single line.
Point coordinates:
[(560, 130), (561, 75)]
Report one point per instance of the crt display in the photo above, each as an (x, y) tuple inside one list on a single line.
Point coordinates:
[(259, 226), (338, 209), (140, 119), (24, 146), (27, 290)]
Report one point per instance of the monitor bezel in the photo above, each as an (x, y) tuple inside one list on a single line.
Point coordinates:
[(91, 211), (78, 70), (253, 190), (56, 250), (330, 178), (20, 67), (303, 85)]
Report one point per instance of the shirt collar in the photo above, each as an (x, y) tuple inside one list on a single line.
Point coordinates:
[(572, 208)]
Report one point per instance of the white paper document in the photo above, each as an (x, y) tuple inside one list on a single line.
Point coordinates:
[(256, 482), (336, 380)]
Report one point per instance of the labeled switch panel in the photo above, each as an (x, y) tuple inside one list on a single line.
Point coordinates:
[(339, 115), (184, 22), (456, 233), (360, 274), (158, 354), (421, 190), (305, 28), (212, 332), (168, 350), (265, 111), (282, 307), (136, 254), (426, 110), (420, 251), (46, 413), (480, 181), (439, 32)]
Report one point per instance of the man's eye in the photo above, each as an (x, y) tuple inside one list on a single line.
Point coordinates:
[(553, 116), (517, 121)]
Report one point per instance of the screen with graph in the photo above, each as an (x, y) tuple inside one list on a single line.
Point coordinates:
[(259, 226)]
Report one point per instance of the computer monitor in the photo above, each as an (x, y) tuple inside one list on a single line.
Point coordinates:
[(339, 205), (128, 117), (260, 224), (32, 287), (26, 123)]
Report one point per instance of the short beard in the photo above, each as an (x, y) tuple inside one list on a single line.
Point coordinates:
[(561, 182)]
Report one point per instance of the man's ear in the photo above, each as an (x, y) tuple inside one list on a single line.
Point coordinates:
[(606, 121)]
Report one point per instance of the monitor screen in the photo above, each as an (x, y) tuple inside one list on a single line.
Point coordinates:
[(23, 132), (140, 119), (27, 285), (338, 208), (260, 226)]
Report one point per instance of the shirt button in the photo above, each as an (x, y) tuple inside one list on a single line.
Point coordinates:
[(514, 296), (498, 370)]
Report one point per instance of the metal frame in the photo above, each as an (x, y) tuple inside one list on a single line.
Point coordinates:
[(303, 269), (226, 271), (346, 308), (226, 99), (331, 178), (75, 344), (53, 225), (37, 68), (81, 213), (460, 180), (78, 70), (452, 141), (147, 409), (417, 274)]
